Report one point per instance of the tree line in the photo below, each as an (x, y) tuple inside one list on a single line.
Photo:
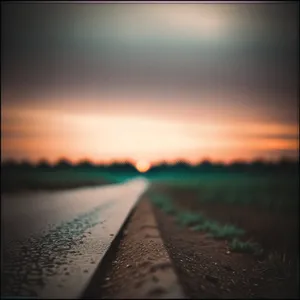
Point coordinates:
[(260, 165)]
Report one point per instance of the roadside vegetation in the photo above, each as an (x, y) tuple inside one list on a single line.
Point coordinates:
[(199, 222), (19, 180), (237, 245), (269, 192), (273, 186), (25, 176)]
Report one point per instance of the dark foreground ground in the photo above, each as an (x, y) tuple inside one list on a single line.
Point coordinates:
[(206, 266), (18, 181), (265, 207), (138, 265)]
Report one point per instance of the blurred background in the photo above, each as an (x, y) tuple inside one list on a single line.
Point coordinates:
[(96, 93), (150, 82), (200, 99)]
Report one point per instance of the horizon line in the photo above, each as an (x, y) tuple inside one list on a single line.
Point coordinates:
[(133, 162)]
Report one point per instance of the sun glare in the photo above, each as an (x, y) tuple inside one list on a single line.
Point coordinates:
[(142, 166)]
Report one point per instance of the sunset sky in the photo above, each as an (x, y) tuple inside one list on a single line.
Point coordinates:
[(149, 81)]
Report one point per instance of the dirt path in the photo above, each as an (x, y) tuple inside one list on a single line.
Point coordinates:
[(208, 270), (140, 268), (276, 232)]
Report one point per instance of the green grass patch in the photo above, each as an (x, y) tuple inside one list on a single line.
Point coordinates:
[(199, 222), (189, 218), (237, 245), (218, 230), (270, 192), (279, 263), (36, 179), (163, 202)]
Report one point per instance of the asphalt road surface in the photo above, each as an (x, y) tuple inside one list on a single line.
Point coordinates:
[(52, 242)]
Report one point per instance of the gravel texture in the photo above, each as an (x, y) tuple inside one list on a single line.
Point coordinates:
[(141, 267)]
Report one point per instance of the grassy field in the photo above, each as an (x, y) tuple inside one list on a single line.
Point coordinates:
[(35, 179), (240, 229), (200, 222), (209, 202), (270, 192)]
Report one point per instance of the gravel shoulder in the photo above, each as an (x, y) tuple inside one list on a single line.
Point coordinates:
[(155, 257), (138, 266)]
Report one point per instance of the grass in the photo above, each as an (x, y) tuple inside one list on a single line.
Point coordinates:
[(271, 192), (188, 218), (52, 179), (237, 245), (202, 223), (218, 230), (163, 202), (281, 264)]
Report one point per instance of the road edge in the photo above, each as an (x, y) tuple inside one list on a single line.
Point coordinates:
[(147, 274)]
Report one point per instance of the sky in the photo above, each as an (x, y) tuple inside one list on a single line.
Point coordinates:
[(149, 81)]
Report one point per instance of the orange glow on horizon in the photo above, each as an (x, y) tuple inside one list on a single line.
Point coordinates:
[(142, 166), (36, 134)]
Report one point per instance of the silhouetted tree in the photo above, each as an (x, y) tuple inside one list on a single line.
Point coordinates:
[(123, 167), (219, 167), (85, 164), (287, 165), (238, 166), (25, 165), (163, 166), (181, 166), (102, 166), (205, 166), (257, 165), (43, 164), (9, 164), (63, 163)]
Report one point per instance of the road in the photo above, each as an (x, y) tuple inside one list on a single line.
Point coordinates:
[(52, 242)]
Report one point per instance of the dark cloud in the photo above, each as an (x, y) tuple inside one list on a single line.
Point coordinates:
[(48, 47)]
